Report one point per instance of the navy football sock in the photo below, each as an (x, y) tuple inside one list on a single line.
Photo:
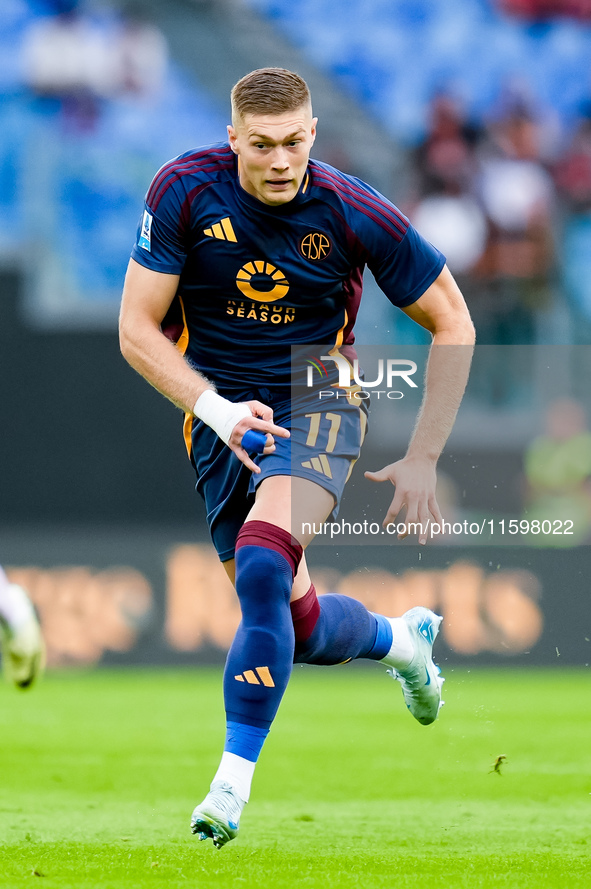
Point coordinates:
[(333, 629), (261, 656)]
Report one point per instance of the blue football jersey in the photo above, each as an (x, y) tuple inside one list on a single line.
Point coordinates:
[(257, 279)]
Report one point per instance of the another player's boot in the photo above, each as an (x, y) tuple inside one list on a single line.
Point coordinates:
[(218, 816), (420, 681), (23, 651)]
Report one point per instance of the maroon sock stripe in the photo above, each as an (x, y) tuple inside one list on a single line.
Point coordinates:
[(271, 537), (304, 614)]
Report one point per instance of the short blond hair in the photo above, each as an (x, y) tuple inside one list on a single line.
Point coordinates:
[(269, 91)]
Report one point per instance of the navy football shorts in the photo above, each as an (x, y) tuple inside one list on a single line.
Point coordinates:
[(325, 443)]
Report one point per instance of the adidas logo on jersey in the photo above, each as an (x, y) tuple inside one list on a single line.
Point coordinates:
[(320, 464), (263, 678), (221, 230)]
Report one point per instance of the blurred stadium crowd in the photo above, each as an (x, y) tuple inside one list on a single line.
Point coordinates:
[(90, 106), (490, 102)]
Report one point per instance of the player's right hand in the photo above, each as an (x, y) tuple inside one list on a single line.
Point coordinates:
[(261, 419), (414, 480)]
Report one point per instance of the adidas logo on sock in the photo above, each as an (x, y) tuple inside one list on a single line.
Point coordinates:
[(264, 677)]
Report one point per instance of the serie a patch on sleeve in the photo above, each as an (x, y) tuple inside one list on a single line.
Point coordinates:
[(145, 240)]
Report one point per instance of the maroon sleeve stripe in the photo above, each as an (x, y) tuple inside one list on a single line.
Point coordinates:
[(185, 217), (383, 213), (342, 182), (175, 170), (375, 215), (187, 159), (364, 198), (179, 175)]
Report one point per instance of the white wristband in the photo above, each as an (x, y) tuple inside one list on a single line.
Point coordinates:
[(219, 413)]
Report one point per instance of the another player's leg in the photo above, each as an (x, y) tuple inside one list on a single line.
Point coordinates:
[(334, 629), (257, 671), (20, 635)]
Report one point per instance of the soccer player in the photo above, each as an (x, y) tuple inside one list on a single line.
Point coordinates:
[(243, 250), (20, 634)]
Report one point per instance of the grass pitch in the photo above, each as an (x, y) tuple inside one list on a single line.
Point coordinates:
[(99, 774)]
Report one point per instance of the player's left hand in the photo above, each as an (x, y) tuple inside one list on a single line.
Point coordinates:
[(414, 479)]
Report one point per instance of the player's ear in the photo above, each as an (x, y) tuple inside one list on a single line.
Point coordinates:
[(313, 129), (232, 138)]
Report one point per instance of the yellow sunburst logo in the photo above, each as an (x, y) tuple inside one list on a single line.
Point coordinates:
[(262, 281)]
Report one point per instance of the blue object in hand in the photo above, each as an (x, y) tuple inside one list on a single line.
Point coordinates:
[(254, 441)]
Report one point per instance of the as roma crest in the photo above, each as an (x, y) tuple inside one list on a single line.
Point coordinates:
[(315, 246)]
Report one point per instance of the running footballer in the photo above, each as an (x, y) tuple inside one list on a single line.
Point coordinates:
[(245, 249)]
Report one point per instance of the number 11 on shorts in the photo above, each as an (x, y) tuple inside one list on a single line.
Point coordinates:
[(315, 420)]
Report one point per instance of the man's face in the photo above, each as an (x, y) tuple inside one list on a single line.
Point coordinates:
[(273, 152)]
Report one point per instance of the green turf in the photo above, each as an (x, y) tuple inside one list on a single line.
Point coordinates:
[(99, 774)]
